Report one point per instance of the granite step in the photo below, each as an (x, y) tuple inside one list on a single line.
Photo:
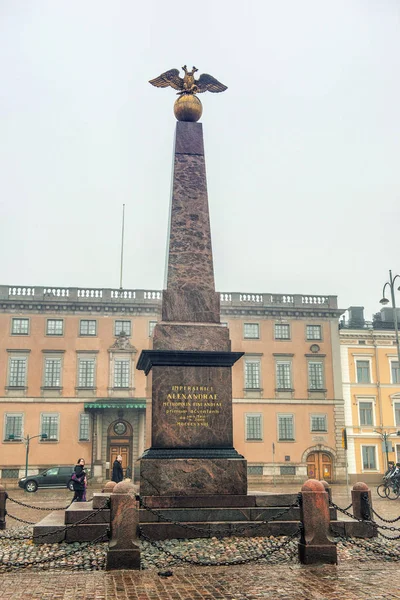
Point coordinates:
[(165, 531), (221, 501), (79, 510), (87, 533), (48, 525)]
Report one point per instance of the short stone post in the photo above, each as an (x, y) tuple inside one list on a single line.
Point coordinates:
[(108, 487), (316, 545), (362, 501), (3, 498), (123, 552), (328, 489)]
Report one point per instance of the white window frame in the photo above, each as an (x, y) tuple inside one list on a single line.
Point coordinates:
[(13, 414), (86, 357), (316, 361), (57, 335), (88, 334), (363, 359), (370, 401), (283, 362), (251, 325), (250, 360), (80, 439), (396, 400), (152, 325), (59, 359), (391, 361), (397, 450), (318, 416), (283, 339), (376, 458), (278, 416), (123, 330), (50, 414), (125, 359), (17, 356), (314, 339), (254, 415), (16, 333)]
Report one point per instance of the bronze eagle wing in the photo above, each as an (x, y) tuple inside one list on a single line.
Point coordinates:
[(208, 83), (169, 78)]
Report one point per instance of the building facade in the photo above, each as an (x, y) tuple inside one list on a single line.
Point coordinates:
[(371, 390), (68, 370)]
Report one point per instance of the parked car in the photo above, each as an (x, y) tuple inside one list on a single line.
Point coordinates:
[(55, 477)]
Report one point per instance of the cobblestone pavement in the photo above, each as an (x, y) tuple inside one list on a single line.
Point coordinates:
[(359, 575)]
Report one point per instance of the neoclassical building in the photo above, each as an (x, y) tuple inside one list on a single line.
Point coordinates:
[(68, 369)]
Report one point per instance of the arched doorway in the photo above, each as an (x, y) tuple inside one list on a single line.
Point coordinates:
[(320, 466), (119, 441)]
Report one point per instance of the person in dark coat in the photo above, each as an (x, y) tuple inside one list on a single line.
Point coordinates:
[(117, 472), (79, 477)]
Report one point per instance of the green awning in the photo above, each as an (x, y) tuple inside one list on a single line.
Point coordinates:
[(116, 403)]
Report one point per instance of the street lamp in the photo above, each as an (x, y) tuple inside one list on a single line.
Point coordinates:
[(385, 438), (27, 439), (384, 301)]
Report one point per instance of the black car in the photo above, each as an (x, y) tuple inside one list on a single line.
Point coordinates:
[(55, 477)]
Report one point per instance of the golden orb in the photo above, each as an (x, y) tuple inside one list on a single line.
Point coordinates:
[(188, 108)]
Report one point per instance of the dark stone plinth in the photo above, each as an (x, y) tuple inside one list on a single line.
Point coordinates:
[(189, 477), (189, 138), (184, 358), (208, 453), (173, 336), (165, 531), (311, 555), (272, 500), (123, 551)]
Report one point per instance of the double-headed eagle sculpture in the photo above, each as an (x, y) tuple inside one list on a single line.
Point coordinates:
[(188, 84), (188, 107)]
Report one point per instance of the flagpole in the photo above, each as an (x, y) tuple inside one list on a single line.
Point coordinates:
[(122, 246)]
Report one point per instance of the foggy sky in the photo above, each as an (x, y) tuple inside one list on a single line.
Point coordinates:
[(302, 150)]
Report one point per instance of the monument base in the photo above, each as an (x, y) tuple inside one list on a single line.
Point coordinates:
[(312, 555), (193, 476), (123, 559)]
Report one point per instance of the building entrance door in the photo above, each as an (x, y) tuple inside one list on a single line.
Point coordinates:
[(123, 450), (319, 466)]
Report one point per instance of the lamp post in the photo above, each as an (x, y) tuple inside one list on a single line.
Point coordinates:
[(27, 439), (384, 301)]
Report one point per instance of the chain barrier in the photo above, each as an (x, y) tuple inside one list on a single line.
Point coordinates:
[(208, 563), (345, 512), (383, 519), (37, 507), (68, 527), (367, 547), (18, 519), (223, 532), (53, 558)]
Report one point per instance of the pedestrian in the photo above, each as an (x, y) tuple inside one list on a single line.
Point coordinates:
[(79, 477), (117, 472)]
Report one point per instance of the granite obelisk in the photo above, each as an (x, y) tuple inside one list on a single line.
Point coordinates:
[(190, 365)]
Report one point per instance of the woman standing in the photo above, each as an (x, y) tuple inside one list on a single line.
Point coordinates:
[(117, 472), (79, 478)]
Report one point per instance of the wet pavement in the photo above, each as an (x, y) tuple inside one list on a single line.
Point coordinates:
[(359, 574)]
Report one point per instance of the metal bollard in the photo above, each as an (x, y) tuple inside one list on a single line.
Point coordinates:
[(123, 552), (3, 498), (316, 545)]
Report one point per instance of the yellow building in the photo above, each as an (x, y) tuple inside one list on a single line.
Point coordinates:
[(68, 369), (371, 391)]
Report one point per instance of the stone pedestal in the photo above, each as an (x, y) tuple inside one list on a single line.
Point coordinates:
[(3, 498), (191, 362), (123, 551)]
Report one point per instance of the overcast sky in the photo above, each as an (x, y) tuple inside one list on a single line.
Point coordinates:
[(302, 150)]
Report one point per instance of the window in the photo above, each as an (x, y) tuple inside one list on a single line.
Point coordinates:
[(313, 332), (369, 457), (88, 327), (121, 373), (152, 324), (17, 376), (86, 368), (49, 426), (288, 470), (282, 331), (123, 327), (10, 473), (285, 428), (55, 327), (283, 375), (20, 327), (254, 427), (395, 371), (52, 372), (251, 331), (84, 422), (13, 426), (318, 423), (252, 374), (315, 375), (363, 374), (397, 414), (366, 414), (254, 470)]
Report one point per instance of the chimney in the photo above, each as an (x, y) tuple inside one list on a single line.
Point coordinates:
[(356, 317)]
